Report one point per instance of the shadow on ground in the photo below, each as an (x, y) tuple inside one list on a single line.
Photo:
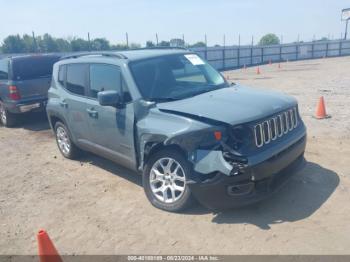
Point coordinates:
[(304, 194), (113, 168), (35, 121)]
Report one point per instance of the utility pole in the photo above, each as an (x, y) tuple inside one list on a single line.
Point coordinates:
[(281, 39), (127, 39), (34, 41), (89, 42), (239, 40), (157, 38), (346, 29), (252, 40), (224, 41), (206, 47), (183, 39)]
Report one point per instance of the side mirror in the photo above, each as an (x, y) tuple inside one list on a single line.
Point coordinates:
[(109, 98)]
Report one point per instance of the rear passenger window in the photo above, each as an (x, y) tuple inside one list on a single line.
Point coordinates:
[(104, 78), (4, 69), (62, 74), (76, 78)]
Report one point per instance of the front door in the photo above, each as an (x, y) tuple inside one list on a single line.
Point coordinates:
[(111, 127)]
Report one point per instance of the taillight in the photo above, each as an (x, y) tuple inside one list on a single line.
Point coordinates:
[(13, 93)]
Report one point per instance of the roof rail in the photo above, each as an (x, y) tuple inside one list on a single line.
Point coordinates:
[(109, 54)]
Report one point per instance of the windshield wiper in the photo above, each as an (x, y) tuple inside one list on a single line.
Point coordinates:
[(164, 99)]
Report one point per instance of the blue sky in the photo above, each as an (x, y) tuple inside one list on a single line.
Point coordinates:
[(193, 18)]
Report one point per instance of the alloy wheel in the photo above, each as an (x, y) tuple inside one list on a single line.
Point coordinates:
[(63, 140), (167, 180), (3, 117)]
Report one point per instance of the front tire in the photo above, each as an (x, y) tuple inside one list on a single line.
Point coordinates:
[(164, 181), (6, 118), (65, 144)]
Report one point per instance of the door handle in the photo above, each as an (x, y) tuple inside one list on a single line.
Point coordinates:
[(92, 113), (63, 104)]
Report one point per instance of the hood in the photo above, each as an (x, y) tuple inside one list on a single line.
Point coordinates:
[(233, 105)]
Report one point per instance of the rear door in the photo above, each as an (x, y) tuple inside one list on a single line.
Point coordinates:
[(32, 75), (74, 101)]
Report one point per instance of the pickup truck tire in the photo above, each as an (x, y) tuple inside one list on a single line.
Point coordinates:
[(64, 142), (6, 118), (164, 180)]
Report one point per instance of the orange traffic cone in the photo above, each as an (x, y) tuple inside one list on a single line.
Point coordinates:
[(46, 250), (321, 109), (258, 70)]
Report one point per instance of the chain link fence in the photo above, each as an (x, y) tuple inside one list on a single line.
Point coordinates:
[(231, 57)]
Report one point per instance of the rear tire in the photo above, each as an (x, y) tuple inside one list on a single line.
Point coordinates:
[(6, 118), (164, 181), (64, 142)]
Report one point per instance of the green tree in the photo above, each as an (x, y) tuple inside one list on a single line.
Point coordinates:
[(79, 44), (135, 46), (150, 44), (269, 39), (47, 44), (164, 43), (63, 45), (29, 43), (100, 44), (198, 44), (13, 44), (119, 47)]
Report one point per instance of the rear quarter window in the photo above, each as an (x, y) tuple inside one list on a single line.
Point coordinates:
[(62, 74), (33, 67)]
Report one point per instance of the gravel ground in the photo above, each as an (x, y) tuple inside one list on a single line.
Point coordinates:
[(93, 206)]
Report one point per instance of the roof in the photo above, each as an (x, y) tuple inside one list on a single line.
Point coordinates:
[(128, 55)]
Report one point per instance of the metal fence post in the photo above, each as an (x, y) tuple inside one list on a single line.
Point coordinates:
[(327, 49), (297, 51), (262, 55), (340, 47), (251, 55), (238, 57), (280, 52), (239, 51), (223, 58), (312, 49)]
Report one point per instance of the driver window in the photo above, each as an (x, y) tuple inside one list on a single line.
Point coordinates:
[(103, 78)]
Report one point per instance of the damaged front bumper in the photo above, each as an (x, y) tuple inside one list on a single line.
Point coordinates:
[(249, 184)]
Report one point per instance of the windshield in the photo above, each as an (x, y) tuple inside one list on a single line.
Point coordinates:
[(175, 77)]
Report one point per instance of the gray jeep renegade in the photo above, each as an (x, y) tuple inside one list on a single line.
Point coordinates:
[(170, 116)]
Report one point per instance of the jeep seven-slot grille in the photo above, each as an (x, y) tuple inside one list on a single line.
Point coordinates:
[(275, 127)]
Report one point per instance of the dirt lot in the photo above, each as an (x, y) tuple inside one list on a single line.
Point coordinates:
[(93, 206)]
